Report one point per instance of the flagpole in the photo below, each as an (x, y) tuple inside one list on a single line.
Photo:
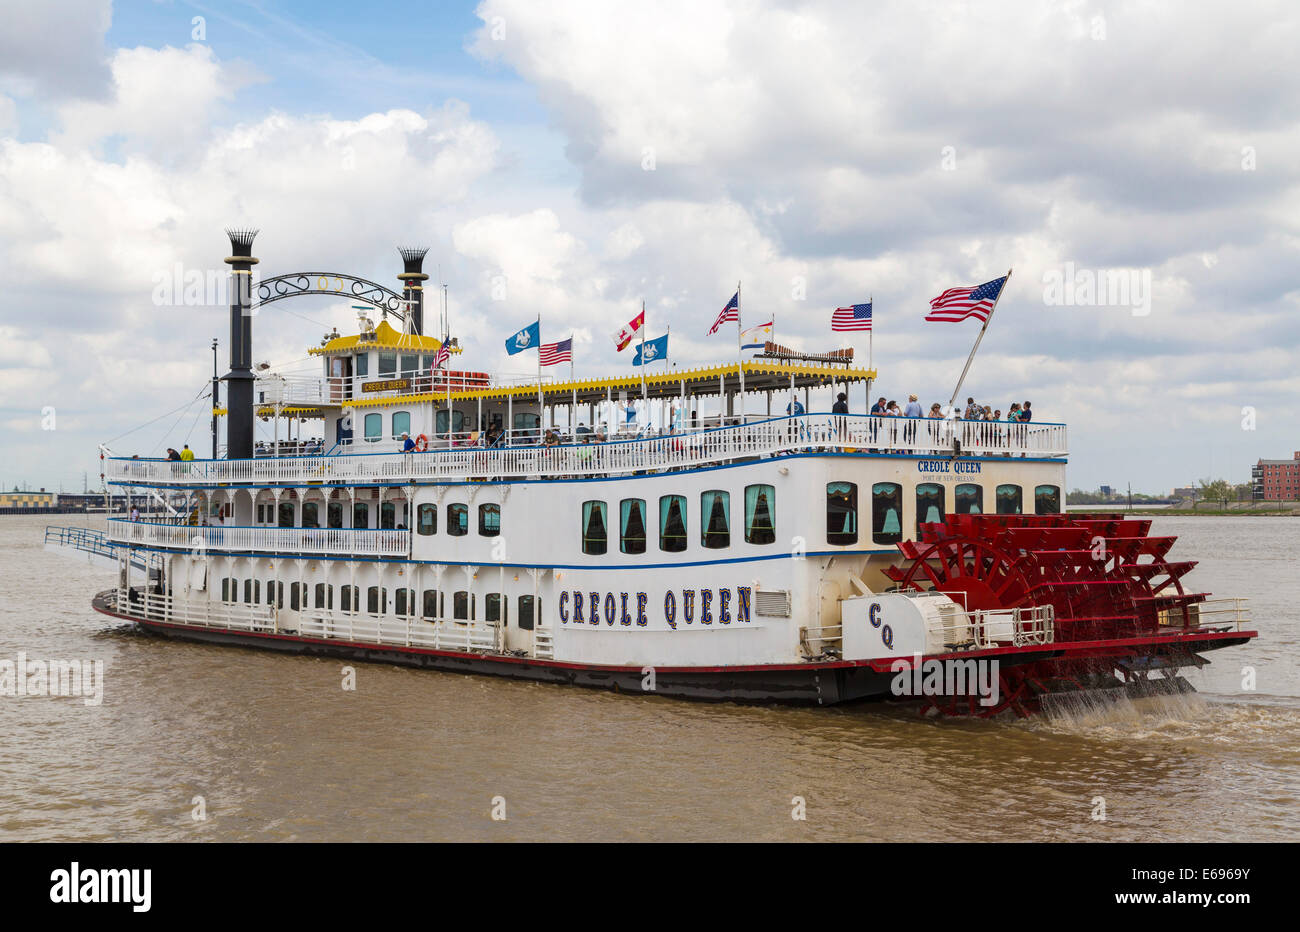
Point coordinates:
[(871, 335), (740, 355), (643, 328), (957, 391), (541, 413)]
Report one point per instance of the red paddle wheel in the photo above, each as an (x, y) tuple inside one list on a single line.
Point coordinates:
[(1106, 578)]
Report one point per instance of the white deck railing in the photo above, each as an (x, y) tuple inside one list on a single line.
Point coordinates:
[(359, 628), (806, 433), (381, 542)]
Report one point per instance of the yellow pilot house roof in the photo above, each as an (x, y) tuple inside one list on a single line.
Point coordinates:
[(385, 337)]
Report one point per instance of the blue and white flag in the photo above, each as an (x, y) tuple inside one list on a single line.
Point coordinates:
[(528, 338), (651, 351)]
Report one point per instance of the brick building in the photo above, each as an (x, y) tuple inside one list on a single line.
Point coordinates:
[(1276, 480)]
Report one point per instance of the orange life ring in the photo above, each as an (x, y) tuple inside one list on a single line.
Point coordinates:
[(421, 443)]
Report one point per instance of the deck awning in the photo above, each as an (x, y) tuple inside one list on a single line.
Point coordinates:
[(725, 379)]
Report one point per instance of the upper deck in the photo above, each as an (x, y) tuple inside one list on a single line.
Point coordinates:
[(455, 458)]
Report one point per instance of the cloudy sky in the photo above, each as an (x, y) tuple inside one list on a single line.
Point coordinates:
[(596, 154)]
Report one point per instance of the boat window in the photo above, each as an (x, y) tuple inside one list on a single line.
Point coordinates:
[(1008, 498), (1047, 500), (886, 512), (401, 424), (410, 366), (672, 523), (324, 596), (374, 427), (286, 514), (496, 608), (252, 591), (387, 515), (334, 514), (929, 504), (457, 422), (377, 600), (462, 605), (457, 520), (360, 515), (387, 365), (969, 499), (362, 364), (715, 518), (632, 525), (310, 514), (841, 513), (229, 585), (594, 534), (428, 523), (526, 605), (489, 520), (404, 601), (348, 599), (760, 507), (430, 607), (275, 593), (297, 596)]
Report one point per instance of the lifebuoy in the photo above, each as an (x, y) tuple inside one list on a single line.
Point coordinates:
[(421, 443)]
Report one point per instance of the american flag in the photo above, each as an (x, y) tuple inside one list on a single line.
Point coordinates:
[(441, 358), (854, 317), (553, 353), (967, 301), (730, 312)]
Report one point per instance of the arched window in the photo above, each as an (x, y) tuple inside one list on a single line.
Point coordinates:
[(360, 515), (595, 536), (672, 523), (462, 606), (969, 499), (430, 608), (324, 596), (286, 514), (387, 515), (1047, 500), (489, 520), (929, 504), (760, 512), (310, 514), (349, 600), (377, 600), (404, 601), (886, 512), (334, 514), (841, 513), (252, 591), (374, 427), (496, 608), (1009, 499), (428, 520), (457, 520), (715, 519), (401, 423), (526, 608), (632, 525)]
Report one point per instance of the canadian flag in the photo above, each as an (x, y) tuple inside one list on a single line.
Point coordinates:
[(623, 336)]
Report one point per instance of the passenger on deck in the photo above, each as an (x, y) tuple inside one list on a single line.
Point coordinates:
[(408, 445), (187, 454)]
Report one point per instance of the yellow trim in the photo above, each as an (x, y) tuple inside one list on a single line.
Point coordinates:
[(385, 336), (707, 373), (292, 411), (218, 412)]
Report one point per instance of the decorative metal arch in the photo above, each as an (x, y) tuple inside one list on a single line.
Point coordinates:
[(335, 283)]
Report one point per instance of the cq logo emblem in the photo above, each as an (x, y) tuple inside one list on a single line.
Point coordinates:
[(874, 615)]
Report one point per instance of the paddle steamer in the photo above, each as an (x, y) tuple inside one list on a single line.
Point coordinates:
[(681, 532)]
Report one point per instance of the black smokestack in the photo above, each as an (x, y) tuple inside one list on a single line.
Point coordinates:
[(239, 380), (411, 277)]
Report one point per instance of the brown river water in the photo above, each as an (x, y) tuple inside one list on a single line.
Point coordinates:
[(279, 751)]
